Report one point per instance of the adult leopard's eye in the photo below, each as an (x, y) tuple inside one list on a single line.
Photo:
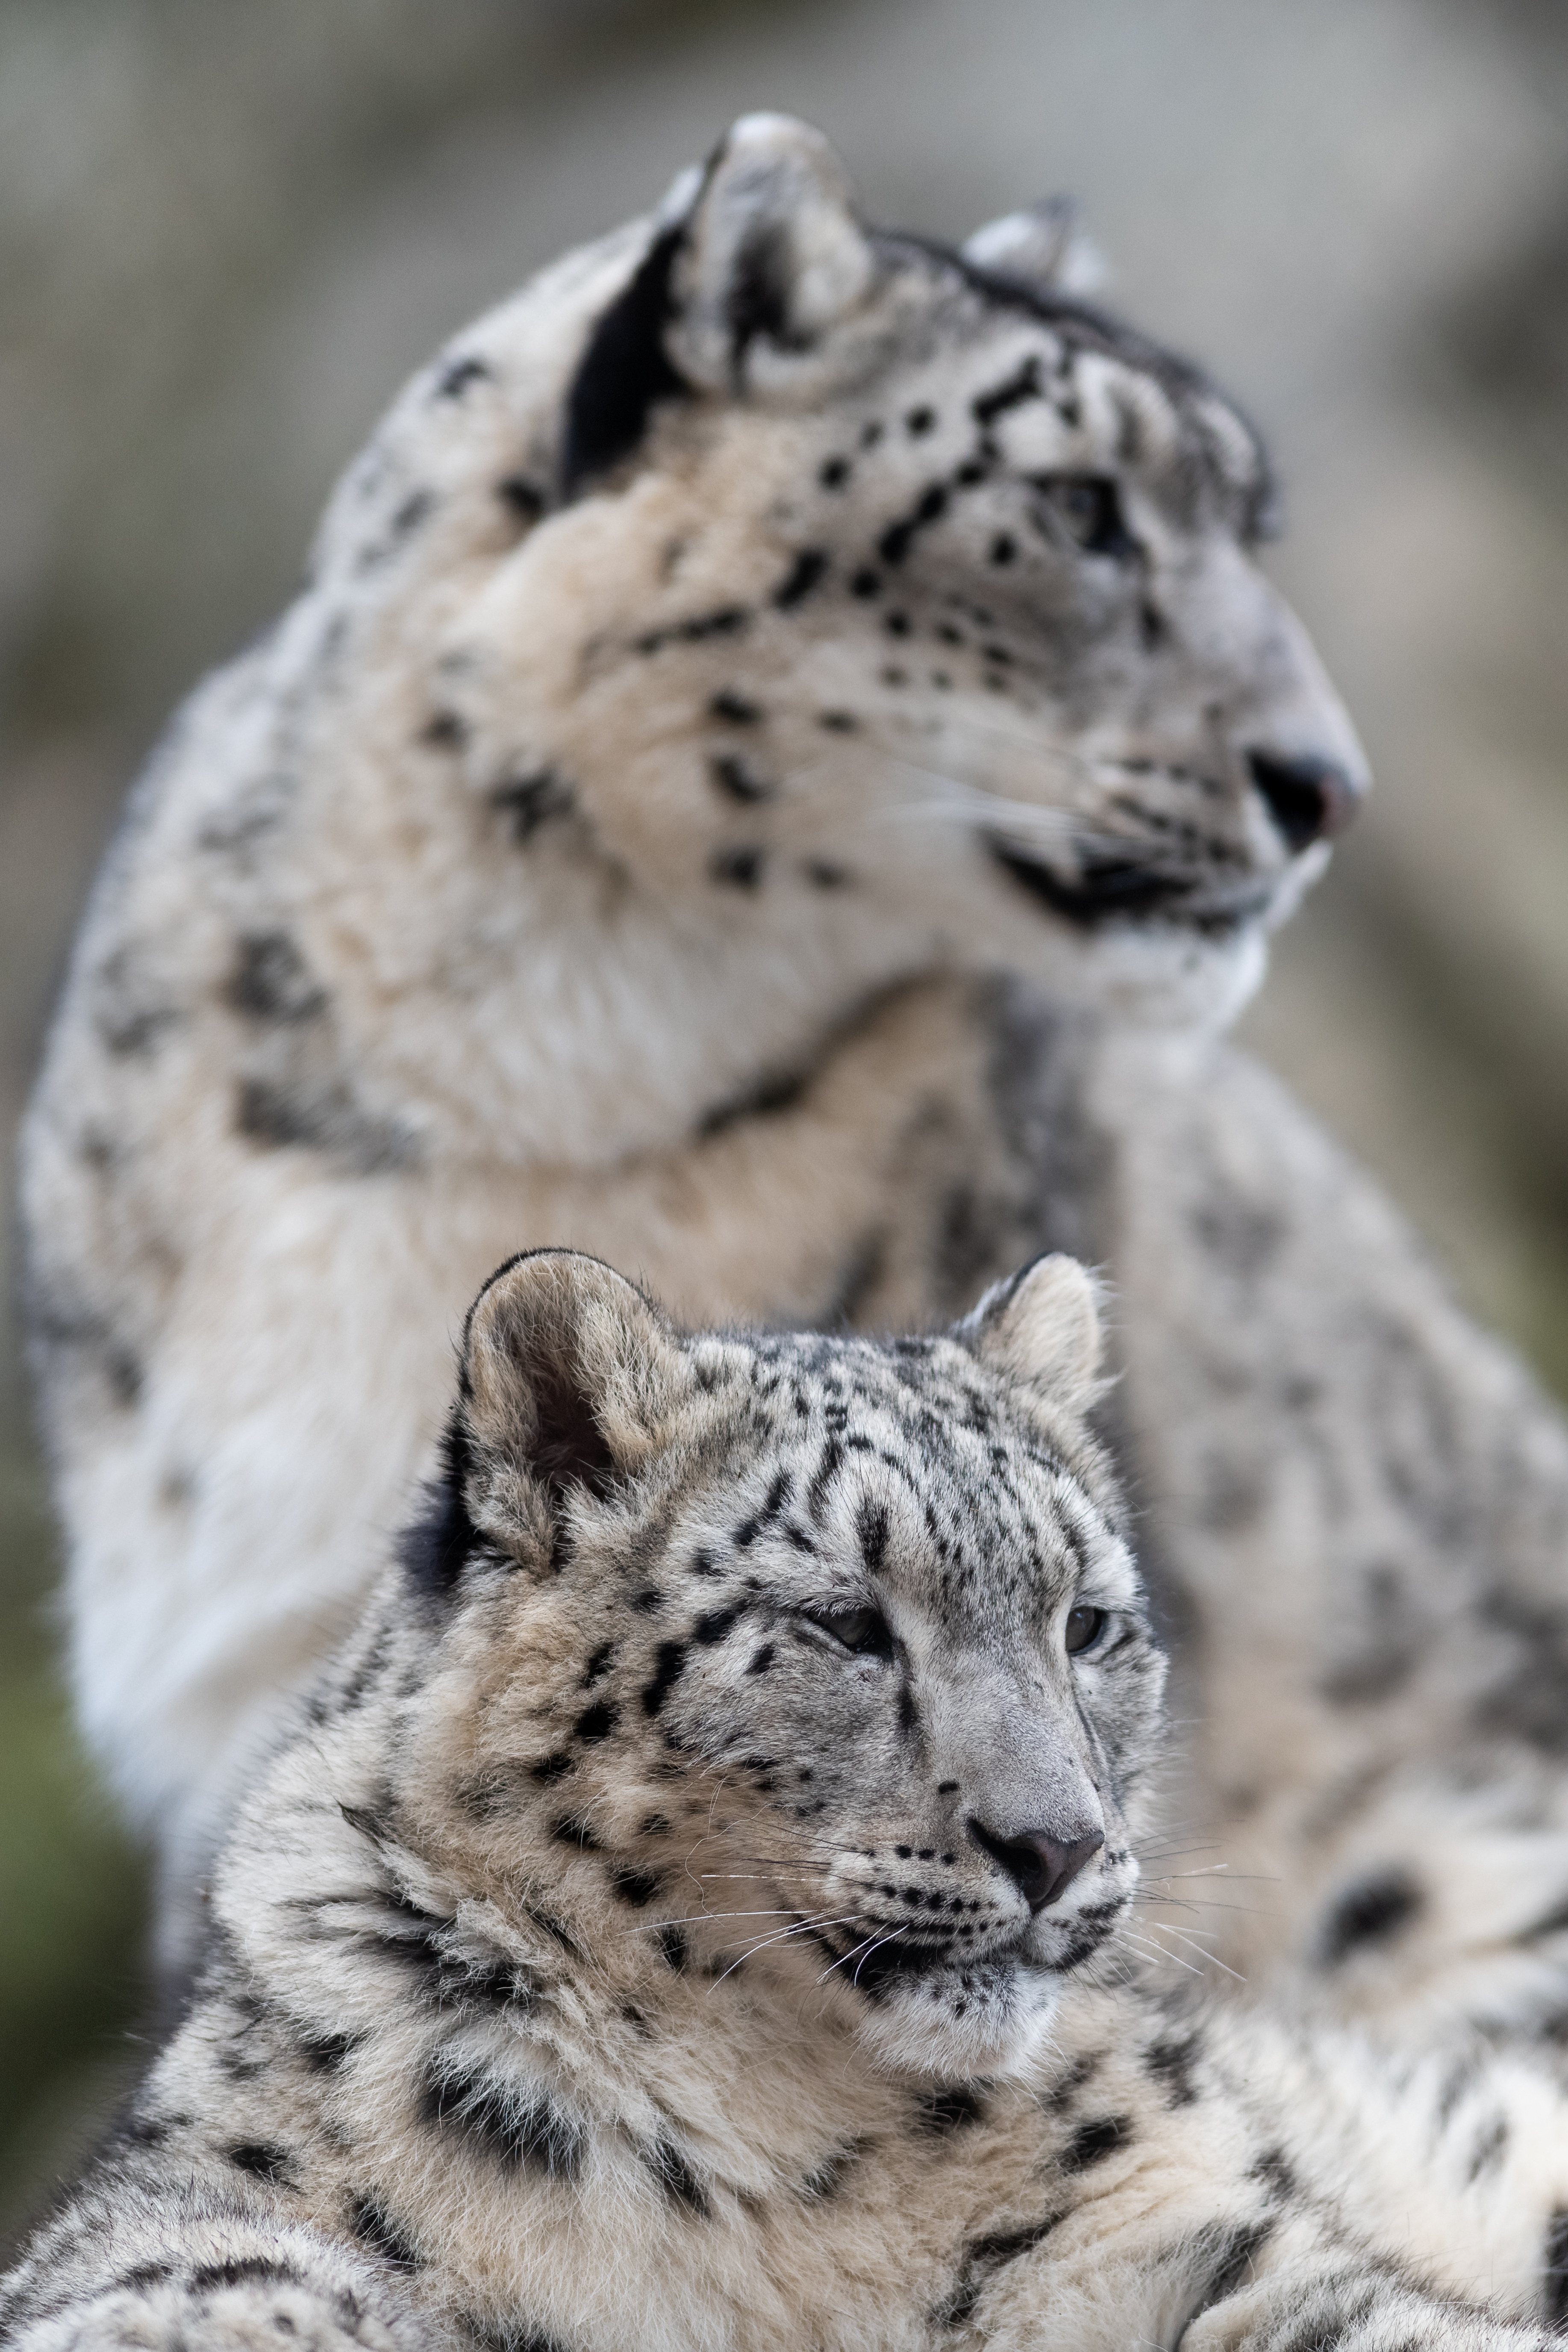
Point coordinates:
[(1088, 509), (1083, 1630), (865, 1631)]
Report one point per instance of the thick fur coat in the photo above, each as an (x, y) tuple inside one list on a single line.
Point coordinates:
[(693, 1913), (778, 711)]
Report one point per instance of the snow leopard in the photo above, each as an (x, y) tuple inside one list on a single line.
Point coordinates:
[(690, 1913), (785, 761)]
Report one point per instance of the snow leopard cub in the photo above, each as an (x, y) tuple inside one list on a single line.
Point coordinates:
[(689, 1914)]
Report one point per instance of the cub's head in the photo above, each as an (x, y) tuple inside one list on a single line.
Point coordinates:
[(871, 606), (822, 1661)]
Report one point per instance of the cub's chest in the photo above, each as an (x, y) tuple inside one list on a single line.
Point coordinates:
[(889, 2226)]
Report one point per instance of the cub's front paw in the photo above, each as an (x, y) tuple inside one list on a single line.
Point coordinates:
[(254, 2313)]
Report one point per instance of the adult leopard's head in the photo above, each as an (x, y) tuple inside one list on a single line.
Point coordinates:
[(823, 1660), (876, 607)]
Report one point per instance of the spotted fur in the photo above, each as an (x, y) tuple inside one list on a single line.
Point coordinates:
[(771, 699), (628, 1944)]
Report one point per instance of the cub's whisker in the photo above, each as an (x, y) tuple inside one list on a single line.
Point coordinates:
[(801, 1926), (1192, 1942), (703, 1919), (890, 1938)]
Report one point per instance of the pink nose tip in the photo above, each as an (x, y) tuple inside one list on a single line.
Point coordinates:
[(1309, 799), (1041, 1866)]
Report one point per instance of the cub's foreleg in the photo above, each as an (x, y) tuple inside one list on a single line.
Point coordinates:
[(181, 2268)]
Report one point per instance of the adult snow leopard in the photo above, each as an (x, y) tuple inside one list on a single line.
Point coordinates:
[(687, 1915), (775, 702)]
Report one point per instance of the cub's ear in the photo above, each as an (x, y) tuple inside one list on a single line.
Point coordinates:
[(567, 1377), (1041, 1330), (1046, 245), (773, 255)]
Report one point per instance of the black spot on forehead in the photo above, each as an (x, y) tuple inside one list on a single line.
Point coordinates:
[(948, 1431), (1085, 327)]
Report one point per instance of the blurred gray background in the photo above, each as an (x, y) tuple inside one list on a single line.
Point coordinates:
[(228, 227)]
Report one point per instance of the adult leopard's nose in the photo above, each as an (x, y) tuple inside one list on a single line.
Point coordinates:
[(1309, 799), (1042, 1867)]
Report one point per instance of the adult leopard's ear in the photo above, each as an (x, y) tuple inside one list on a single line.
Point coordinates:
[(773, 255), (1044, 245), (1041, 1330), (751, 261), (567, 1373)]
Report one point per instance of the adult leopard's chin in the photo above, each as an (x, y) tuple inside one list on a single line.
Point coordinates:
[(1148, 944), (1158, 974)]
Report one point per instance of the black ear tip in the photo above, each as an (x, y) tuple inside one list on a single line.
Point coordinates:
[(493, 1281)]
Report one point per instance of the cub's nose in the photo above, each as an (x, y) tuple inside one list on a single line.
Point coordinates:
[(1309, 799), (1041, 1867)]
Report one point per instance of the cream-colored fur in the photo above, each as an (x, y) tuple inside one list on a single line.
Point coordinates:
[(778, 712), (636, 1943)]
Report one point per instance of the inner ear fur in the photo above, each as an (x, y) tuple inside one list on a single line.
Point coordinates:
[(772, 255), (751, 262), (568, 1371), (1042, 1331)]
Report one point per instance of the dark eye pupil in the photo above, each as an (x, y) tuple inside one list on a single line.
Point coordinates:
[(861, 1630), (1090, 507), (1082, 1629)]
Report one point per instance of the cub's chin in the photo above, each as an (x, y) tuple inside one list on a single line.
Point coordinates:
[(961, 2023)]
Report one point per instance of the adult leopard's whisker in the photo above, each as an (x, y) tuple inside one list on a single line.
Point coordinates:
[(1165, 1927)]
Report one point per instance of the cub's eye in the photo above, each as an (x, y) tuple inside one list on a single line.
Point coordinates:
[(864, 1630), (1083, 1630), (1088, 509)]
